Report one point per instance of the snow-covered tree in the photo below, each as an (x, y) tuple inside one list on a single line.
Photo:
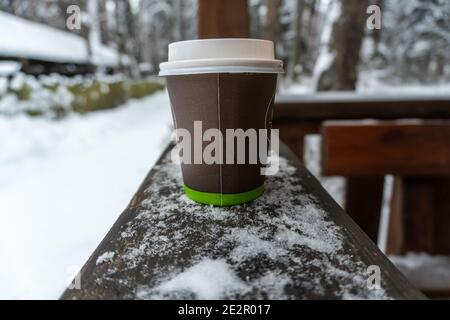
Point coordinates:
[(94, 38), (272, 21), (296, 40), (313, 37), (337, 64), (416, 39)]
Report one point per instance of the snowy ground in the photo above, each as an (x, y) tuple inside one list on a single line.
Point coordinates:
[(64, 183), (425, 271)]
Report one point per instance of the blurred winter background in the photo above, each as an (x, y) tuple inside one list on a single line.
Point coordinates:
[(83, 116)]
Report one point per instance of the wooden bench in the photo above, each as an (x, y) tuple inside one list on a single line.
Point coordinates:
[(299, 115), (417, 153), (295, 242)]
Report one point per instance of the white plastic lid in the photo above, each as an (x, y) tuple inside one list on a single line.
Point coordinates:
[(221, 56)]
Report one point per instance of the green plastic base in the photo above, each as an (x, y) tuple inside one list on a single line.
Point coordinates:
[(218, 199)]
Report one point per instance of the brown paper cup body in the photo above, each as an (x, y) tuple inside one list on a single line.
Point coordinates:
[(222, 101)]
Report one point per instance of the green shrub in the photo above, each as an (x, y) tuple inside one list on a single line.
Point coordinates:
[(24, 93), (140, 89), (89, 98), (92, 95), (34, 113)]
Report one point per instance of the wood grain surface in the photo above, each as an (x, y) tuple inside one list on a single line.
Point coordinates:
[(294, 242)]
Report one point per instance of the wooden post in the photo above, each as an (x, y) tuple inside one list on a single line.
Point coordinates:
[(418, 223), (272, 27), (293, 134), (363, 199), (223, 19), (441, 215), (419, 215)]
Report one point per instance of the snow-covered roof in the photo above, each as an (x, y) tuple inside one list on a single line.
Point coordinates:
[(26, 39)]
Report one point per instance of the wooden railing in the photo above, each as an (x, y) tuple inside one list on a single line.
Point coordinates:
[(295, 242)]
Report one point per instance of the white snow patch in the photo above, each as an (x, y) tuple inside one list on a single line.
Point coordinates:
[(9, 67), (249, 245), (105, 257), (274, 284), (326, 57), (208, 279)]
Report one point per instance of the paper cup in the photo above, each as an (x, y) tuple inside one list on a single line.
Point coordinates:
[(224, 84)]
